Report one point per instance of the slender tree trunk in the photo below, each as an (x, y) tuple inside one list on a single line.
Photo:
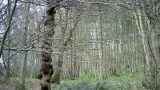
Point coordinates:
[(152, 12), (57, 76), (8, 27), (9, 41), (24, 61), (153, 42), (147, 52), (7, 34), (58, 72), (101, 51)]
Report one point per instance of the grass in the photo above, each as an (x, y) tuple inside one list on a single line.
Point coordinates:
[(136, 77), (125, 81), (122, 82)]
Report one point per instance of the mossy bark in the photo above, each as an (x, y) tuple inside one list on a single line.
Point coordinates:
[(46, 70)]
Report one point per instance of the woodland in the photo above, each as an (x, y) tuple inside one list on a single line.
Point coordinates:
[(79, 44)]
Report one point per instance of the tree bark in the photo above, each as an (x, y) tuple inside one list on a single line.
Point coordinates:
[(58, 72), (152, 11), (46, 70), (8, 27), (24, 60), (57, 76), (9, 41)]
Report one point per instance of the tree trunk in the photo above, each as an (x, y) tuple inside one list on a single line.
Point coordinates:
[(7, 34), (58, 72), (8, 61), (57, 76), (46, 70), (8, 27), (24, 61), (152, 12), (146, 50)]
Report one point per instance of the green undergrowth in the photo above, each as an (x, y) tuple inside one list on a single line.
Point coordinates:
[(134, 78), (123, 82), (100, 85)]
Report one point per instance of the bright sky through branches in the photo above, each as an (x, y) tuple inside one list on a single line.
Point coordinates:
[(5, 1)]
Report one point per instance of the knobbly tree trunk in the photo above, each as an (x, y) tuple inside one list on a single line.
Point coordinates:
[(46, 70)]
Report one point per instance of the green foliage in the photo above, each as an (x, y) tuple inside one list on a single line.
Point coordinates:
[(126, 81), (84, 85), (89, 81)]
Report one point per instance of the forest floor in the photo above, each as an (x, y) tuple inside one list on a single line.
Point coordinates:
[(15, 85), (113, 83), (75, 86), (84, 82)]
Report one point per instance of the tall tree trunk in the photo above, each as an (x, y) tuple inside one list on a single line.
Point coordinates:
[(46, 70), (8, 61), (7, 34), (24, 61), (8, 27), (147, 52), (152, 11), (57, 75)]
